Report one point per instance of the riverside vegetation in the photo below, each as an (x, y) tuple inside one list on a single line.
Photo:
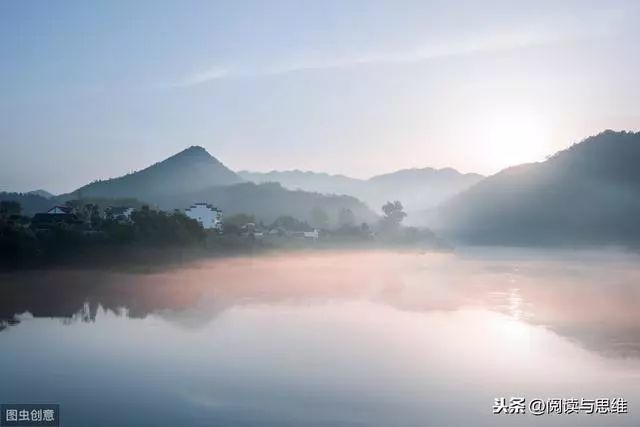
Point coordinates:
[(155, 237)]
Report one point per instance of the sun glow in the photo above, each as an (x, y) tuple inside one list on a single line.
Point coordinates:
[(512, 136)]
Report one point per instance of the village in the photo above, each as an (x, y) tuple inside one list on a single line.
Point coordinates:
[(90, 231)]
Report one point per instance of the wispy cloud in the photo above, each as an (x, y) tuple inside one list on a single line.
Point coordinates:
[(520, 38), (203, 76), (420, 53)]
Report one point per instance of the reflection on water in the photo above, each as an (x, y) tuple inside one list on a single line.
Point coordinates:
[(370, 338)]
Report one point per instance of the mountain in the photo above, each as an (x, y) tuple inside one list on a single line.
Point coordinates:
[(30, 203), (42, 193), (267, 201), (193, 175), (187, 171), (588, 194), (417, 189), (308, 181)]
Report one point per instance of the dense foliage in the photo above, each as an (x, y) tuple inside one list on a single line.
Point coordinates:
[(91, 235), (86, 233)]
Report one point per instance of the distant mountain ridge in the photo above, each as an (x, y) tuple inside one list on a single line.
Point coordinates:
[(30, 203), (41, 193), (189, 170), (268, 201), (193, 175), (587, 194), (417, 189), (319, 182), (194, 171)]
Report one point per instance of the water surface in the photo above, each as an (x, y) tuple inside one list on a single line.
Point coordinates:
[(326, 339)]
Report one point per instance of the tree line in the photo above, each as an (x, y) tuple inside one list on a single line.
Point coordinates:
[(23, 243)]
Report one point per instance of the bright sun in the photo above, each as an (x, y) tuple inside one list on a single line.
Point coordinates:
[(512, 137)]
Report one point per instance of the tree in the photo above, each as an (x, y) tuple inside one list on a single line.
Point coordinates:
[(239, 220), (290, 223), (94, 215), (346, 218), (319, 218), (74, 204), (9, 208), (234, 223), (390, 225), (18, 245), (393, 213), (159, 228)]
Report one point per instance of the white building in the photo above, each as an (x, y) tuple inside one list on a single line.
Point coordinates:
[(311, 234), (119, 213), (209, 216)]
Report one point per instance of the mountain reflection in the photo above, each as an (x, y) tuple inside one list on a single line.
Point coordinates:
[(589, 298)]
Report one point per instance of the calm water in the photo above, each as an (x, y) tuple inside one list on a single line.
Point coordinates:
[(326, 339)]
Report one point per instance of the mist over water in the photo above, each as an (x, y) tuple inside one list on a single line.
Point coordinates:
[(327, 338)]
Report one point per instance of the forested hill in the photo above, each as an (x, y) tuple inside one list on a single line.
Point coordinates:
[(586, 195), (270, 200), (417, 189)]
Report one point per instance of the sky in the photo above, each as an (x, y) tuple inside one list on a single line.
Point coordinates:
[(95, 89)]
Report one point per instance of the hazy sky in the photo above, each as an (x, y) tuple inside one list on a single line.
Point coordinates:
[(93, 89)]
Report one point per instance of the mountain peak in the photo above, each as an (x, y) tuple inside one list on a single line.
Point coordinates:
[(197, 148), (191, 169), (194, 151)]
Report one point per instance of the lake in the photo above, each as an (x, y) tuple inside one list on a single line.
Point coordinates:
[(327, 339)]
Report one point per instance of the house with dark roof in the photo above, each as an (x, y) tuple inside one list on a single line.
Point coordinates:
[(57, 216)]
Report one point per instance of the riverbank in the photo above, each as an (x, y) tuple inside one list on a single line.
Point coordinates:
[(143, 258)]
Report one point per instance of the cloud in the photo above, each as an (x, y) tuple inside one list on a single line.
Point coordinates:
[(204, 76), (472, 44), (407, 55), (420, 53)]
